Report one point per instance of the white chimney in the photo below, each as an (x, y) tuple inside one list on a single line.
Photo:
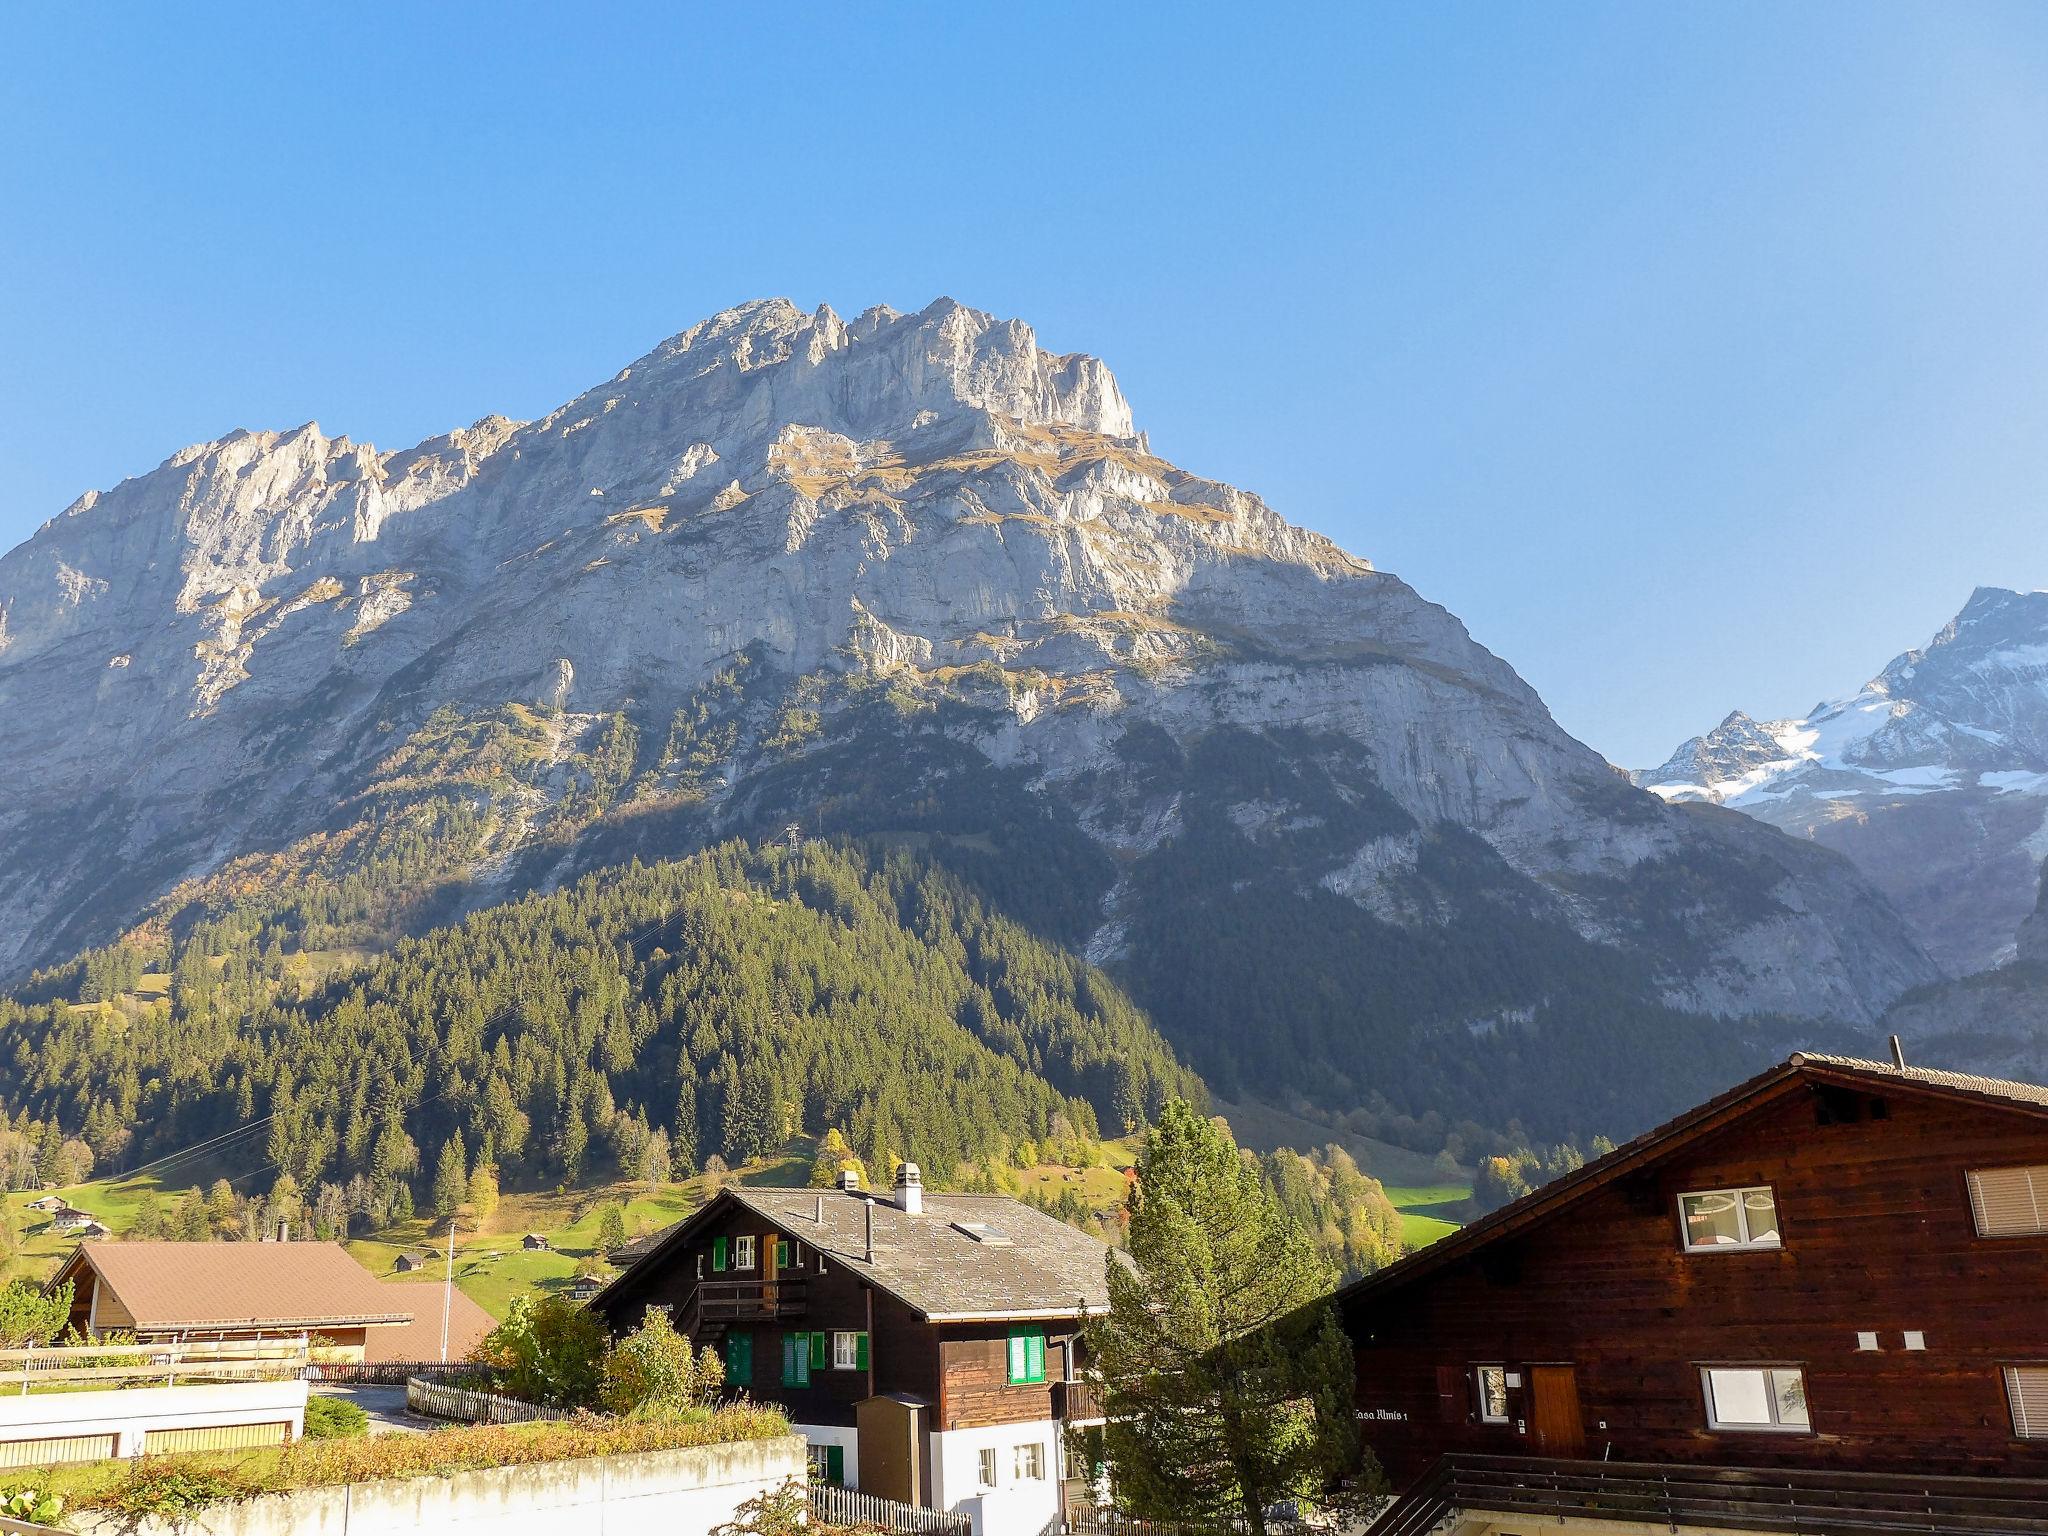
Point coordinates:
[(849, 1179), (909, 1190)]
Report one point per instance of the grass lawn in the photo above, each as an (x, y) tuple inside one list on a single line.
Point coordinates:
[(1428, 1211)]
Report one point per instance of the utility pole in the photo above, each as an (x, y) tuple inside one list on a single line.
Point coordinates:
[(448, 1290), (795, 833)]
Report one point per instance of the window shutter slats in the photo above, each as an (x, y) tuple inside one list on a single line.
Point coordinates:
[(860, 1352), (2009, 1202), (2026, 1387)]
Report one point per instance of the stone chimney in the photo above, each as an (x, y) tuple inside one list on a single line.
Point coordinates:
[(909, 1190), (849, 1179)]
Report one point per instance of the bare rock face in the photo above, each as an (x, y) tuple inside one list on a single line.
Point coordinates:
[(1932, 778), (790, 566)]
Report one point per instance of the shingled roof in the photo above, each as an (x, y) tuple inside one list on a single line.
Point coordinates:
[(964, 1258), (1654, 1145), (286, 1286)]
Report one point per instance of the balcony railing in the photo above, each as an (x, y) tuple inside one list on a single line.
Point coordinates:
[(1075, 1402), (1820, 1501), (170, 1364), (749, 1301)]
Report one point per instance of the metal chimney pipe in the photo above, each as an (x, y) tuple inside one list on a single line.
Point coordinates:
[(1898, 1054), (870, 1211)]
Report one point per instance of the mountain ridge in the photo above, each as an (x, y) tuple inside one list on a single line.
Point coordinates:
[(1933, 778), (903, 577)]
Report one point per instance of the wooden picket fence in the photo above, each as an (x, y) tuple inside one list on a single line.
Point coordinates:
[(439, 1400), (833, 1505)]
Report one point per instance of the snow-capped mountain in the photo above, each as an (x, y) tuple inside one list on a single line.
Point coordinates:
[(1933, 777), (906, 576)]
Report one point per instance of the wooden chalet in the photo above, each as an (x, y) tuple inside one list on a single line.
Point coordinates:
[(925, 1345), (1822, 1296), (162, 1291)]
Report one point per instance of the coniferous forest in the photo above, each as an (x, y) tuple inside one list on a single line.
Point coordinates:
[(651, 1015)]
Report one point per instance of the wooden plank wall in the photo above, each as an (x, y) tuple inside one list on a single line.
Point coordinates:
[(1878, 1236)]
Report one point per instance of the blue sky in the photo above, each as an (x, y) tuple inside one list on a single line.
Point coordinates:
[(1696, 356)]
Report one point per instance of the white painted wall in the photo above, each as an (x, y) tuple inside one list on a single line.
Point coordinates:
[(655, 1493), (1011, 1508), (844, 1436), (128, 1413)]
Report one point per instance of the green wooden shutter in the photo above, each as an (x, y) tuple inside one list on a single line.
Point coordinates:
[(739, 1359), (718, 1253), (796, 1359), (819, 1356), (860, 1352), (835, 1464), (1036, 1345)]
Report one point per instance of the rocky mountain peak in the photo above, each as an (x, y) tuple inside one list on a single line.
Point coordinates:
[(1933, 775)]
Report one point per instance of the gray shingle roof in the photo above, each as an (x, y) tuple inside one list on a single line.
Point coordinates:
[(1026, 1263)]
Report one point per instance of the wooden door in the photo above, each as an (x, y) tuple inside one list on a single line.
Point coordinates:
[(764, 1256), (1555, 1427)]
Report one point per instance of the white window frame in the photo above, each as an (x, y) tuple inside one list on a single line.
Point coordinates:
[(1486, 1416), (1748, 1244), (1768, 1370), (845, 1350), (985, 1461), (1036, 1450), (743, 1248), (700, 1266), (2034, 1178), (2026, 1395)]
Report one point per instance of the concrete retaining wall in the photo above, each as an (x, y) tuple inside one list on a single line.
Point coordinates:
[(653, 1493)]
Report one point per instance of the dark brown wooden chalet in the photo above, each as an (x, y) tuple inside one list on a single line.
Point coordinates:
[(923, 1344), (1833, 1277)]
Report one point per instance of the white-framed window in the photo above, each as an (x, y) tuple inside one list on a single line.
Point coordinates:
[(743, 1252), (1717, 1220), (1756, 1397), (1493, 1394), (985, 1466), (2009, 1202), (2026, 1389), (845, 1351), (1030, 1462)]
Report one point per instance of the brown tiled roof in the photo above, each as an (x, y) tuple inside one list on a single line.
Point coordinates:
[(420, 1339), (238, 1285), (2030, 1094), (1025, 1264), (1653, 1145)]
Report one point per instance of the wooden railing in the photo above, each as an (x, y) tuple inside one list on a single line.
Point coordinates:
[(1075, 1401), (833, 1505), (1815, 1500), (152, 1365), (749, 1301)]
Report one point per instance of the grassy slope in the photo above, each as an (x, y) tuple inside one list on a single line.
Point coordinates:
[(491, 1267)]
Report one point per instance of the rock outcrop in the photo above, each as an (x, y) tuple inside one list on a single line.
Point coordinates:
[(889, 575)]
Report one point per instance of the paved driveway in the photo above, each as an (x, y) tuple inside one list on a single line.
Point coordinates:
[(384, 1405)]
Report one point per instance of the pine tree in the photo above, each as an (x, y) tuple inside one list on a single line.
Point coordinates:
[(483, 1191), (611, 1227), (451, 1181), (1226, 1381)]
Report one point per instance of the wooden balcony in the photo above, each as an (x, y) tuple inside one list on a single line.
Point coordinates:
[(1075, 1402), (1679, 1496), (749, 1301)]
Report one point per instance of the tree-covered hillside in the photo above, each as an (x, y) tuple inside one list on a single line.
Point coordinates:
[(655, 1012)]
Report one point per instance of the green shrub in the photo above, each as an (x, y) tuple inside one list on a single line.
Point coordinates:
[(651, 1371), (548, 1350), (31, 1504), (334, 1418)]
